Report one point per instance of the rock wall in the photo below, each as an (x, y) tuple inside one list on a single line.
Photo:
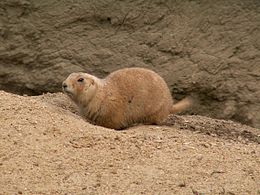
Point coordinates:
[(206, 48)]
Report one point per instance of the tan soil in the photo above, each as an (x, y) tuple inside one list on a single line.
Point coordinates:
[(46, 148)]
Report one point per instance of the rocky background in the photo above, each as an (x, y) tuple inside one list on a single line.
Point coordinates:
[(208, 49)]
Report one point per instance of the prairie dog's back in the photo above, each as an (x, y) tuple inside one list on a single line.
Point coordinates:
[(144, 91)]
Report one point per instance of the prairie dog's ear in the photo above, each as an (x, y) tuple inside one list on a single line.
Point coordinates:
[(90, 81)]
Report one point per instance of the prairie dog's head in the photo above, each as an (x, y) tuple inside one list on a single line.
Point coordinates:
[(80, 87)]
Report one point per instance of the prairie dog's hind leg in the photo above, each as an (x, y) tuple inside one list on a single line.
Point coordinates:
[(158, 118)]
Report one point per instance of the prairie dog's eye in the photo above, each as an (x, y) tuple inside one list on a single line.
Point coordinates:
[(80, 80)]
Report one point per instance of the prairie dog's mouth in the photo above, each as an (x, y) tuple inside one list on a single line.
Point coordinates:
[(68, 92)]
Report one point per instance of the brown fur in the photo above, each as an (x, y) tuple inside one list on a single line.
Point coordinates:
[(123, 98)]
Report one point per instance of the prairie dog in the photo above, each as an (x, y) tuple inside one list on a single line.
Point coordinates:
[(125, 97)]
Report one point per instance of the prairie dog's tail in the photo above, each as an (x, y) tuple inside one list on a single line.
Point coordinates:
[(182, 105)]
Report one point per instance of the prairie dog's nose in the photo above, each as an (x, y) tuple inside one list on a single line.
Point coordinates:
[(64, 85)]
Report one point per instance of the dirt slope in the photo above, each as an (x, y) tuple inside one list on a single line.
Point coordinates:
[(207, 48), (46, 148)]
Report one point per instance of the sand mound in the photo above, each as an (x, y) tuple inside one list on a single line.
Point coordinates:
[(46, 148)]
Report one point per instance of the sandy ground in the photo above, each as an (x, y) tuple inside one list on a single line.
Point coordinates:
[(46, 148)]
